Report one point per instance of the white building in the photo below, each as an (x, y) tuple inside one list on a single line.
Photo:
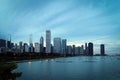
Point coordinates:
[(37, 48), (48, 41), (57, 45)]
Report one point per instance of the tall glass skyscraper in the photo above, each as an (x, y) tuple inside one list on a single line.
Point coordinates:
[(57, 45), (64, 46), (48, 41), (30, 44)]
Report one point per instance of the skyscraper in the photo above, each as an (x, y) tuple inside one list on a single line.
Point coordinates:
[(82, 49), (37, 48), (77, 51), (48, 41), (30, 44), (26, 48), (73, 50), (102, 50), (57, 45), (90, 49), (86, 51), (69, 49), (64, 46), (41, 44), (21, 46)]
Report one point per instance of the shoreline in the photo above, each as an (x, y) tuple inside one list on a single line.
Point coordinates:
[(36, 59), (25, 57)]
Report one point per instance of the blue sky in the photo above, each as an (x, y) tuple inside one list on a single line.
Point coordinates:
[(78, 21)]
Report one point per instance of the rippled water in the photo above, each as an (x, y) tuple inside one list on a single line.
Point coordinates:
[(72, 68)]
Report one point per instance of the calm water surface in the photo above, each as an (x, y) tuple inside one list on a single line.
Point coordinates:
[(72, 68)]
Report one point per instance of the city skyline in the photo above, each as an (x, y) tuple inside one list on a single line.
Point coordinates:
[(77, 21), (59, 46)]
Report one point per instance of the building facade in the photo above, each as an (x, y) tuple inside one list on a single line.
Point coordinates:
[(48, 41), (90, 49), (41, 44), (57, 45), (37, 48), (64, 46), (102, 49)]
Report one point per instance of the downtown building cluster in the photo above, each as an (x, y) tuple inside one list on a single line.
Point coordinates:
[(59, 46)]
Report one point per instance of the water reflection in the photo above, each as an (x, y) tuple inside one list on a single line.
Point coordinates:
[(72, 68), (29, 62)]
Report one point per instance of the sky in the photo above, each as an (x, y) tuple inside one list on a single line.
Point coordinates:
[(78, 21)]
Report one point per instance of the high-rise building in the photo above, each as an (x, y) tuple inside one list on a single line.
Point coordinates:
[(86, 51), (2, 45), (90, 49), (57, 45), (82, 49), (31, 48), (41, 44), (21, 47), (102, 49), (52, 48), (20, 44), (73, 49), (64, 46), (69, 49), (77, 50), (16, 48), (48, 41), (37, 48), (26, 48)]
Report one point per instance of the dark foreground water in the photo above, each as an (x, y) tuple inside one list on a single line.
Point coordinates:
[(72, 68)]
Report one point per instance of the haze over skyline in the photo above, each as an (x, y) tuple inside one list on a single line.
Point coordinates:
[(78, 21)]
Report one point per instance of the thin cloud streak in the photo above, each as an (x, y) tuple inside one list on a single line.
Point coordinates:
[(77, 20)]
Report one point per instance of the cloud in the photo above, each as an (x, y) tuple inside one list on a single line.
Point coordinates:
[(76, 20)]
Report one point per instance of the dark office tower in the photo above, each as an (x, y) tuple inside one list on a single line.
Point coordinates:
[(102, 50), (41, 44), (52, 49), (90, 49), (26, 48), (73, 50), (86, 51), (64, 46)]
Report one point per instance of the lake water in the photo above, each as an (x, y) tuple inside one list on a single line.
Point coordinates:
[(72, 68)]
